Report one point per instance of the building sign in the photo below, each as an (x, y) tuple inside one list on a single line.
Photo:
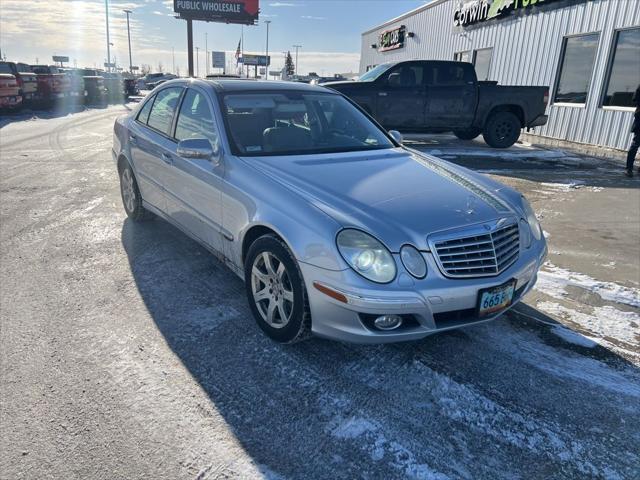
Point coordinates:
[(218, 59), (225, 11), (259, 60), (60, 58), (392, 39), (480, 10)]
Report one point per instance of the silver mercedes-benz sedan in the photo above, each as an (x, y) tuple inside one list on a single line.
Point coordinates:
[(336, 228)]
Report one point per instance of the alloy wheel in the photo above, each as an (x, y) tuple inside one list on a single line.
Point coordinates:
[(128, 191), (272, 290)]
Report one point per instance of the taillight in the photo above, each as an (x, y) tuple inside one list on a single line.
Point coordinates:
[(545, 98)]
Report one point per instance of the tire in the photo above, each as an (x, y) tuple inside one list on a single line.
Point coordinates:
[(502, 130), (468, 134), (130, 194), (283, 314)]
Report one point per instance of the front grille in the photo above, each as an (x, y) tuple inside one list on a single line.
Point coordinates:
[(479, 255)]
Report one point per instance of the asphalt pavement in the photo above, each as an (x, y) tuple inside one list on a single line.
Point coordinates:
[(127, 351)]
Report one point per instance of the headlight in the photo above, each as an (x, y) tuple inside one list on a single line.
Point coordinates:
[(366, 255), (534, 225), (413, 261)]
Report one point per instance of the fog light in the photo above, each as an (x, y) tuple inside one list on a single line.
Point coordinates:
[(388, 322)]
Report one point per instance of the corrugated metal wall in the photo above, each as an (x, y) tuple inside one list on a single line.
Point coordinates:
[(526, 52)]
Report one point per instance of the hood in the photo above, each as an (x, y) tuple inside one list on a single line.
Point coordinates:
[(345, 85), (398, 195)]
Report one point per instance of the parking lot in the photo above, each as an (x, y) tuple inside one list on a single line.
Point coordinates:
[(130, 352)]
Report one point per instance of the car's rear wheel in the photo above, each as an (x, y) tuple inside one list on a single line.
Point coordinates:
[(276, 292), (502, 130), (467, 134), (131, 198)]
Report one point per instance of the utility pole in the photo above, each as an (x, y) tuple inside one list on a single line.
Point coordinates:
[(297, 47), (267, 22), (197, 61), (106, 9), (129, 37), (206, 54)]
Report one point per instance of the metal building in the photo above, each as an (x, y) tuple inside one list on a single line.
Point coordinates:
[(586, 51)]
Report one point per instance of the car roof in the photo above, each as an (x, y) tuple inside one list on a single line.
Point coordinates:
[(246, 85)]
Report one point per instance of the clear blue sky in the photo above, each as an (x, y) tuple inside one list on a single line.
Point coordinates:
[(328, 30)]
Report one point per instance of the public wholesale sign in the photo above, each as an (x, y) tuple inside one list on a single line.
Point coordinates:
[(224, 11)]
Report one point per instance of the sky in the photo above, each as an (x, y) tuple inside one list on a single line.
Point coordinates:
[(329, 31)]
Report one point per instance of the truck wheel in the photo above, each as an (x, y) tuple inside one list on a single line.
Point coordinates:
[(502, 130), (276, 292), (467, 134)]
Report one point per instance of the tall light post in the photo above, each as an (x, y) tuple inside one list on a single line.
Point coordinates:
[(206, 54), (297, 47), (267, 22), (197, 62), (173, 59), (129, 37), (106, 9)]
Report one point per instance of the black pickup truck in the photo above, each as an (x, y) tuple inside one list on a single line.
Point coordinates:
[(433, 96)]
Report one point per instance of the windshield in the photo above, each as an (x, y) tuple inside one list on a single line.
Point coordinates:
[(5, 68), (373, 74), (23, 67), (298, 123)]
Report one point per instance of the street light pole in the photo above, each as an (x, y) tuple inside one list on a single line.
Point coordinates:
[(297, 47), (206, 53), (267, 22), (106, 9), (197, 62), (129, 37)]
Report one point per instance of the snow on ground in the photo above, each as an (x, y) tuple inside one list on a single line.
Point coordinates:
[(614, 327), (553, 280)]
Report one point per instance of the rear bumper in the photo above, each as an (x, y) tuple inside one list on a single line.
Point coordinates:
[(10, 101), (538, 121), (429, 306)]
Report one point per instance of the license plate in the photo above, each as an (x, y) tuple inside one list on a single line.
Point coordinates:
[(494, 299)]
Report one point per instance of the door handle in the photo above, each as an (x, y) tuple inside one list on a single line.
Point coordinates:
[(166, 158), (133, 139)]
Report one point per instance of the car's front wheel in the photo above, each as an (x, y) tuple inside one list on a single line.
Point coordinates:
[(276, 292), (131, 198), (502, 130)]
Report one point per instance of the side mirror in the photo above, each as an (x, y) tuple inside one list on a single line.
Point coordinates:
[(199, 148), (396, 135)]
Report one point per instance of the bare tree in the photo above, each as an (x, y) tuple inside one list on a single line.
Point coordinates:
[(160, 67), (177, 72), (145, 69)]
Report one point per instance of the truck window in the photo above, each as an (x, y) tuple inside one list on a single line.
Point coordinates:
[(450, 74), (405, 76), (5, 68)]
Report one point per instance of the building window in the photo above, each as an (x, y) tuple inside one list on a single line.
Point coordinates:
[(462, 56), (482, 62), (623, 76), (576, 68)]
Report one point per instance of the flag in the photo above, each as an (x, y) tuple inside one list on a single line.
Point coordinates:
[(238, 53)]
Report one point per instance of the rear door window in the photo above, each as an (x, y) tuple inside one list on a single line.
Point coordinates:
[(163, 109), (143, 116)]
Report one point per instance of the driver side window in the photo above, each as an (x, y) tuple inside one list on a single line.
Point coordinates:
[(405, 76), (195, 119)]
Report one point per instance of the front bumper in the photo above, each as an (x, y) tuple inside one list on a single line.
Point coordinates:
[(432, 305)]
